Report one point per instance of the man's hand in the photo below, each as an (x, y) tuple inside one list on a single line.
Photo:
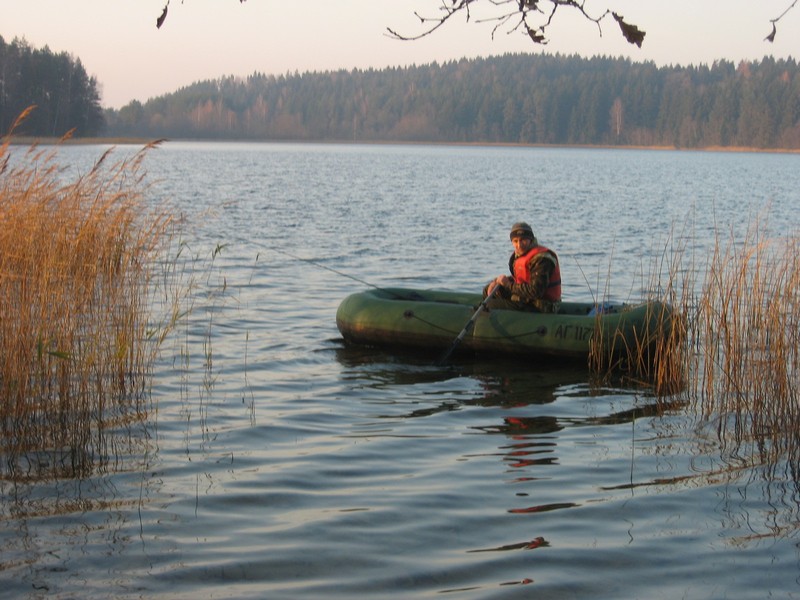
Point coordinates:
[(504, 281)]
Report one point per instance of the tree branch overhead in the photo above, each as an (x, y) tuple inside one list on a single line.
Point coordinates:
[(533, 17)]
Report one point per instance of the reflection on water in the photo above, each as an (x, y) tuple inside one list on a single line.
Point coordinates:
[(502, 381), (531, 447), (278, 462)]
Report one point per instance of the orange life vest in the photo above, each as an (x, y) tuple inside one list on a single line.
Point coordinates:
[(523, 275)]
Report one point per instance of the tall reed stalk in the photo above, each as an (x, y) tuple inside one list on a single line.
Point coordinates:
[(745, 368), (76, 262), (650, 352), (731, 351)]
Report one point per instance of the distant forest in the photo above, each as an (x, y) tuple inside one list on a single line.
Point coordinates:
[(65, 96), (515, 98)]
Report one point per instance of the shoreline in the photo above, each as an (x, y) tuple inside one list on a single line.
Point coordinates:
[(127, 141)]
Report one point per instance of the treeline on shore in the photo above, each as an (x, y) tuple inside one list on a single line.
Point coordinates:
[(64, 95), (515, 98)]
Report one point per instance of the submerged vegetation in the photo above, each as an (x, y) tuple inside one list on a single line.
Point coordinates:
[(76, 269)]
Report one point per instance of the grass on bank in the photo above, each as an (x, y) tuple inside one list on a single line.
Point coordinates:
[(76, 260)]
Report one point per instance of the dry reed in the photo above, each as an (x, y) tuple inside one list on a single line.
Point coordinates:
[(649, 351), (730, 348), (75, 269), (746, 362)]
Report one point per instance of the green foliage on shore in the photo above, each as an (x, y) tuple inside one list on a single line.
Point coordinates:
[(519, 98), (66, 98)]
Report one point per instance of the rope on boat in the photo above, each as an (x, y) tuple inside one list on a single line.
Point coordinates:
[(541, 330)]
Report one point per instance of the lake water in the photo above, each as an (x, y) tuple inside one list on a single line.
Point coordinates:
[(279, 463)]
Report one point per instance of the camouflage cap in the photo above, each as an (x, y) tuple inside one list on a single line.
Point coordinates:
[(521, 230)]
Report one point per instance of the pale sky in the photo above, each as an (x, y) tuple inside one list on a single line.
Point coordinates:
[(118, 43)]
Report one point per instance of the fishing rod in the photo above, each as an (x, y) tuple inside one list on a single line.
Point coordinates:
[(326, 267), (409, 313), (391, 292)]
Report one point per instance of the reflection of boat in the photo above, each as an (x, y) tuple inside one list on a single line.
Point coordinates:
[(431, 319), (504, 381)]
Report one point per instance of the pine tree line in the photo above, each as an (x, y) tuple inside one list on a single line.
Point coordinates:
[(508, 99), (65, 96), (516, 98)]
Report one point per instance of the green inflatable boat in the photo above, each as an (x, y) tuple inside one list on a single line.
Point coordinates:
[(433, 319)]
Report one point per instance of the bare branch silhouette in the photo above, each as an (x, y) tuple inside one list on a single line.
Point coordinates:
[(771, 37), (163, 17), (533, 17)]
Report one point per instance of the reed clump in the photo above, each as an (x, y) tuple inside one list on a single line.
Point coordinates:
[(75, 268), (729, 345), (747, 342), (650, 351)]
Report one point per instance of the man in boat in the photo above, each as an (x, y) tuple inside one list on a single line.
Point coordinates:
[(535, 281)]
